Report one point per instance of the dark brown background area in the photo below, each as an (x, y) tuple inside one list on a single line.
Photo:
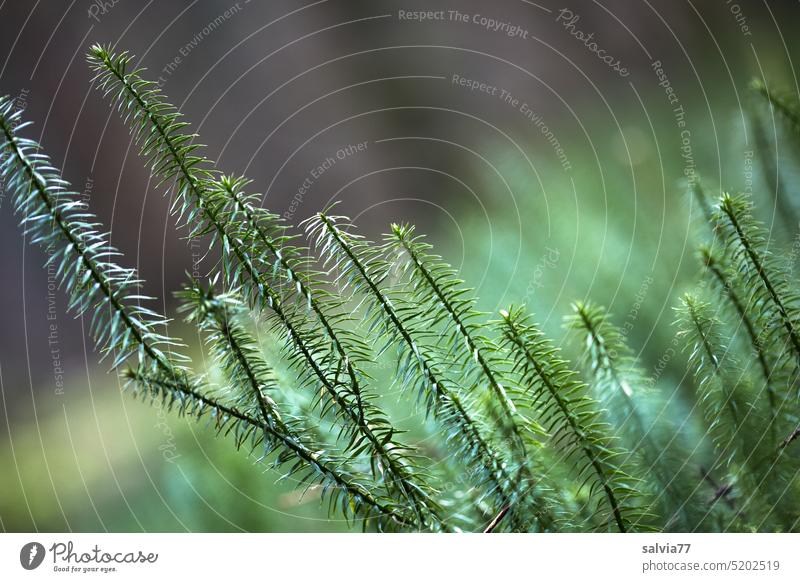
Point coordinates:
[(222, 83)]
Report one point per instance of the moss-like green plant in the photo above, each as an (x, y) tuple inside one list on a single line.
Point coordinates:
[(521, 441), (573, 418), (633, 411)]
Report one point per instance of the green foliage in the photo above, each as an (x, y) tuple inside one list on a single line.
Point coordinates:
[(611, 364), (359, 266), (634, 410), (255, 260), (450, 318), (737, 423), (772, 299), (251, 385), (518, 439), (572, 417), (717, 379), (783, 103), (55, 218), (723, 282)]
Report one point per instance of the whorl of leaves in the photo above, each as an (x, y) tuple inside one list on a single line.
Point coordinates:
[(85, 263), (718, 377), (434, 287), (611, 363), (359, 267), (79, 252), (615, 378), (626, 394), (214, 206), (251, 383), (784, 103), (723, 282), (572, 417), (772, 302)]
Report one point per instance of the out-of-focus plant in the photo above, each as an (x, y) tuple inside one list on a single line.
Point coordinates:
[(532, 444)]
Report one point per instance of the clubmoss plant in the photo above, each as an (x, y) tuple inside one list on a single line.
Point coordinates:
[(530, 442)]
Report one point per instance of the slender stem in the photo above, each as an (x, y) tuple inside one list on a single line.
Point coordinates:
[(791, 438), (469, 427), (399, 474), (709, 351), (475, 351), (737, 303), (577, 430), (762, 274), (246, 208), (286, 440), (720, 491), (66, 230), (496, 521)]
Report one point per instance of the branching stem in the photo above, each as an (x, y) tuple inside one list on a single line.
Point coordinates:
[(578, 431), (397, 470), (467, 425), (752, 255)]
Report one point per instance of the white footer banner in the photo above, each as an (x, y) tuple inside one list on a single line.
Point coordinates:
[(416, 557)]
